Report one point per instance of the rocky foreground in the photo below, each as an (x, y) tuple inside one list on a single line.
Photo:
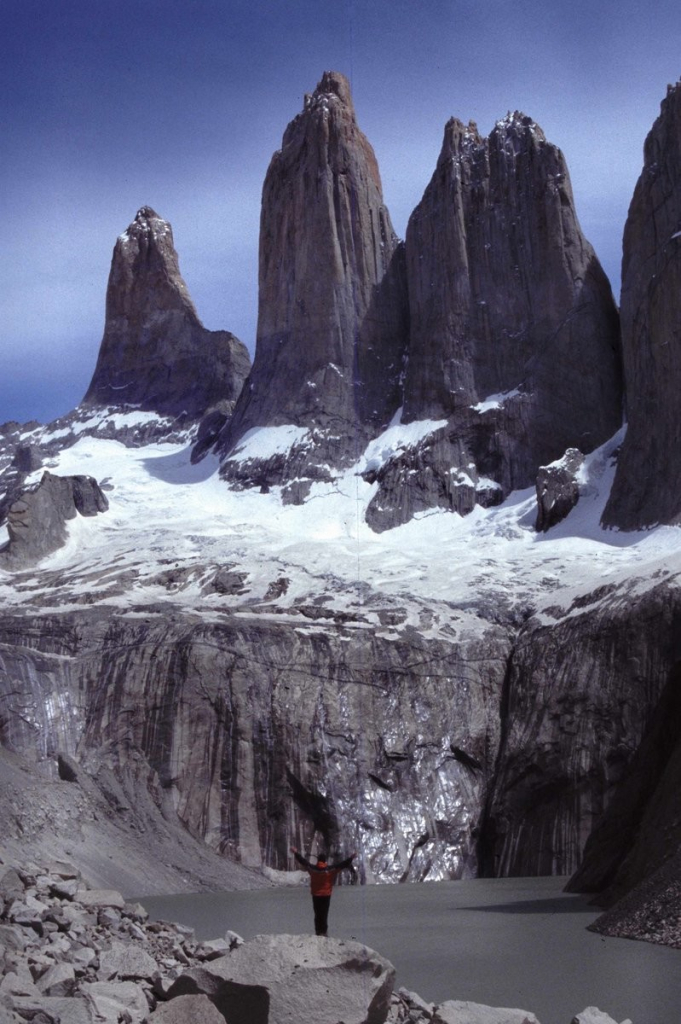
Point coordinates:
[(70, 954)]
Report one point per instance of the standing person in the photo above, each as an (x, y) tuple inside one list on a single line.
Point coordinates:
[(322, 876)]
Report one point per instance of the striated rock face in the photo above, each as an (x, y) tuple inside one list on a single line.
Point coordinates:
[(647, 488), (513, 328), (307, 733), (579, 695), (155, 354), (36, 521), (641, 828), (332, 296)]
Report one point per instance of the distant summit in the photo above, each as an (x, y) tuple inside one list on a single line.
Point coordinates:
[(156, 355)]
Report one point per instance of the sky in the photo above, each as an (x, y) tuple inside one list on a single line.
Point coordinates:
[(108, 105)]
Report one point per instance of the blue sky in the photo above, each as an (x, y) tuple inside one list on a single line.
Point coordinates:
[(107, 105)]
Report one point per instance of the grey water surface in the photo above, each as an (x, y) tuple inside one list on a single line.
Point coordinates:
[(518, 942)]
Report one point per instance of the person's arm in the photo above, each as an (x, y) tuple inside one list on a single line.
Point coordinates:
[(301, 860), (342, 864)]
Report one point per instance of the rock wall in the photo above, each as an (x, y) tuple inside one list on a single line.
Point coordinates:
[(261, 735), (494, 753), (580, 694), (332, 296), (156, 355), (647, 487)]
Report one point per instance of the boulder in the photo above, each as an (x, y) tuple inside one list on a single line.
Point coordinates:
[(58, 980), (111, 1000), (36, 521), (557, 489), (125, 961), (592, 1015), (155, 354), (100, 898), (457, 1012), (276, 979), (187, 1010)]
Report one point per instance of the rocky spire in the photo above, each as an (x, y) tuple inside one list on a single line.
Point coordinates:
[(332, 315), (514, 338), (506, 293), (647, 486), (156, 354)]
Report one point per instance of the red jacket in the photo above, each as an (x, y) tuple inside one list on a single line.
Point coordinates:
[(322, 876)]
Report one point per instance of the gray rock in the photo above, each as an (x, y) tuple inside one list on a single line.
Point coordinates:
[(647, 485), (197, 1009), (155, 354), (456, 1012), (57, 1010), (332, 299), (110, 1000), (59, 980), (36, 521), (100, 898), (12, 937), (126, 961), (11, 885), (592, 1015), (275, 979), (557, 489)]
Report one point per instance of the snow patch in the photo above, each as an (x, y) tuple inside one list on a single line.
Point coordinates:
[(264, 442), (398, 437), (495, 401)]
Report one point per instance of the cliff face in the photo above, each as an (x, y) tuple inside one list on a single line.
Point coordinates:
[(493, 752), (513, 328), (155, 354), (260, 735), (647, 488), (331, 321)]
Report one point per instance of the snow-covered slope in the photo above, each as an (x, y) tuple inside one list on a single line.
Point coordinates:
[(172, 524)]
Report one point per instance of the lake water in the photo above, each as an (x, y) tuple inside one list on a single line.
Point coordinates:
[(505, 942)]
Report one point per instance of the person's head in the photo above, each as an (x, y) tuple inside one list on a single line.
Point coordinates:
[(322, 857)]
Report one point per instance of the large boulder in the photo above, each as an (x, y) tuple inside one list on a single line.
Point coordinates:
[(332, 298), (155, 354), (647, 486), (455, 1011), (36, 521), (276, 979)]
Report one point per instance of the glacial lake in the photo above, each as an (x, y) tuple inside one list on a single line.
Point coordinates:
[(518, 942)]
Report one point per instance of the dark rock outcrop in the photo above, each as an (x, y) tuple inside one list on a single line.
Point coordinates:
[(647, 487), (641, 829), (579, 694), (36, 520), (155, 354), (332, 296), (513, 329), (557, 489)]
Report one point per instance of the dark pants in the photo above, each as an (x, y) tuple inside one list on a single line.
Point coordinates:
[(321, 913)]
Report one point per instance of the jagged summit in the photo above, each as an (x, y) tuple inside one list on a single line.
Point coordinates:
[(331, 84), (155, 354), (332, 297)]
